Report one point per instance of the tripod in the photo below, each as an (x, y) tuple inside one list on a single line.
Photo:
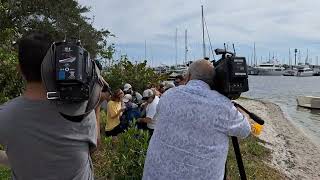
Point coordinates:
[(236, 146)]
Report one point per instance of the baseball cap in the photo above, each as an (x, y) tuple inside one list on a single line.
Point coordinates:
[(127, 98), (126, 87), (169, 85), (147, 93)]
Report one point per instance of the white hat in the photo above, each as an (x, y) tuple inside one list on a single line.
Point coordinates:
[(147, 93), (126, 87), (169, 85), (127, 98)]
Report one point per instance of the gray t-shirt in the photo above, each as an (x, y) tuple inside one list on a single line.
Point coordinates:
[(41, 144)]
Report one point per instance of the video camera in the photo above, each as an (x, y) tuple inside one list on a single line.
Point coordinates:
[(72, 79), (231, 76), (75, 72)]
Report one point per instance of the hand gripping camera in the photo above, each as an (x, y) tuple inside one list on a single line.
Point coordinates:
[(231, 77), (71, 79)]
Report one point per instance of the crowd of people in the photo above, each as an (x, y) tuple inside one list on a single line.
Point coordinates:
[(122, 106)]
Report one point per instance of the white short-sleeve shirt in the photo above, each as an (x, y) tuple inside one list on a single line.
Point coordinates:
[(151, 111)]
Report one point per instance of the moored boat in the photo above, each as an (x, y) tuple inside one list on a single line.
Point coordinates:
[(305, 72), (270, 69), (290, 72), (309, 102)]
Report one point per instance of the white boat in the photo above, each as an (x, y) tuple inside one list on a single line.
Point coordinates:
[(270, 69), (309, 102), (290, 72), (178, 70), (305, 72)]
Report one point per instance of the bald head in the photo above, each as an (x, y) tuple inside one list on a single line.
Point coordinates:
[(201, 70)]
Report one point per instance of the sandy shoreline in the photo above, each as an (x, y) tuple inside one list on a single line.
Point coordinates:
[(293, 153)]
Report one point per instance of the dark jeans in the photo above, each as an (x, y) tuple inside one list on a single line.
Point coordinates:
[(115, 131), (150, 131)]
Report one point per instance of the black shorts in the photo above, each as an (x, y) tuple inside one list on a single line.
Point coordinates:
[(114, 132)]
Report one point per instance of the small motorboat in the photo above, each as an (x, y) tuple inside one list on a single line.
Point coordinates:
[(290, 72), (311, 102), (305, 72)]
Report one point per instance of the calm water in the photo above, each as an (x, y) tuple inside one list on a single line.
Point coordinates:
[(283, 91)]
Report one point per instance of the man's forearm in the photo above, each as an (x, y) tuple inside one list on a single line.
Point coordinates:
[(146, 120)]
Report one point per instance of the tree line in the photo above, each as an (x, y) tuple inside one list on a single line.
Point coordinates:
[(59, 18)]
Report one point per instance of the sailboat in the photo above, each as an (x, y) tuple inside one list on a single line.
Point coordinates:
[(291, 71), (305, 70)]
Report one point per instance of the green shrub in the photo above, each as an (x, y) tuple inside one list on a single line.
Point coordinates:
[(5, 173), (11, 82), (123, 158), (138, 75), (254, 156)]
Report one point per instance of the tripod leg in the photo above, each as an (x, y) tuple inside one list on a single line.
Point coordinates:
[(225, 171), (236, 148)]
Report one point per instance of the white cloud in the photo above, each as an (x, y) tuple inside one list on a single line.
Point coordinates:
[(275, 25)]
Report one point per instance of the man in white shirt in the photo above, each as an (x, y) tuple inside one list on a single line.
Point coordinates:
[(151, 108)]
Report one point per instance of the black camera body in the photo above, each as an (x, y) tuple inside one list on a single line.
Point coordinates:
[(231, 74), (72, 80), (74, 72)]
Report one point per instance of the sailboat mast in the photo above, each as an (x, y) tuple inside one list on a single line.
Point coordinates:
[(145, 49), (299, 57), (307, 58), (289, 58), (176, 46), (254, 53), (186, 46), (203, 42)]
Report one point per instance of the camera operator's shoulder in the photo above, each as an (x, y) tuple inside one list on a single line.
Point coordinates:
[(11, 104), (220, 99), (168, 92), (7, 110)]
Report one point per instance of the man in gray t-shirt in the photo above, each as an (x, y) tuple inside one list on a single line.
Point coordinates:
[(39, 142)]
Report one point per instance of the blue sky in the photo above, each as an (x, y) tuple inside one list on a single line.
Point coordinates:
[(274, 26)]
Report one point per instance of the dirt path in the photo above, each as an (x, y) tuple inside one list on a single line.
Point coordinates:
[(293, 153)]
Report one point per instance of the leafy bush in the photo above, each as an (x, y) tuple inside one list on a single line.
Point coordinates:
[(5, 173), (123, 158), (11, 82), (138, 75)]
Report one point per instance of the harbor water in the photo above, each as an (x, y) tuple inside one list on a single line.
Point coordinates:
[(283, 91)]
